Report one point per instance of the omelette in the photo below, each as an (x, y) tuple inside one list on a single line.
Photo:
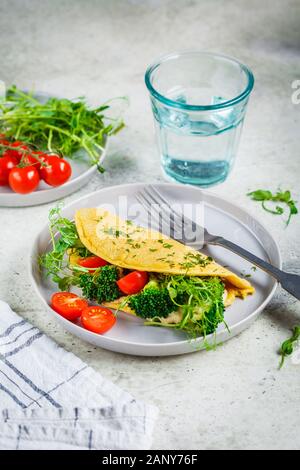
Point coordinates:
[(142, 272), (171, 267)]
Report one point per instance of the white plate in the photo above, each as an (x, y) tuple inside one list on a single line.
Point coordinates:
[(82, 171), (129, 335)]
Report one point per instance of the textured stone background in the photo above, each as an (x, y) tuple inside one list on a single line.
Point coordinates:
[(234, 397)]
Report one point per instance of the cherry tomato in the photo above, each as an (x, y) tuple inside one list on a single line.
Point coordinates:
[(98, 319), (3, 141), (29, 160), (12, 154), (7, 163), (19, 144), (92, 262), (35, 159), (39, 157), (68, 305), (20, 150), (133, 282), (24, 180), (57, 171)]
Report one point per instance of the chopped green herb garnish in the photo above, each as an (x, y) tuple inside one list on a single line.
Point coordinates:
[(195, 259), (167, 245), (114, 232)]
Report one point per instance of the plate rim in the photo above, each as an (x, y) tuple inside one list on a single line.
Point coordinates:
[(154, 345)]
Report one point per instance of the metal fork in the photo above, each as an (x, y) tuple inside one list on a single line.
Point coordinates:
[(155, 203)]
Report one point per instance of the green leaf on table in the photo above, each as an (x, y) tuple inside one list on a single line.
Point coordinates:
[(287, 347), (283, 197), (260, 195)]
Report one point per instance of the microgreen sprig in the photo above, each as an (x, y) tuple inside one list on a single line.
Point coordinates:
[(54, 261), (287, 347), (58, 125), (201, 302), (283, 197)]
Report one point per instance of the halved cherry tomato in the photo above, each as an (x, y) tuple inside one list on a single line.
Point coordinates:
[(23, 180), (7, 163), (98, 319), (92, 262), (68, 305), (56, 172), (133, 282)]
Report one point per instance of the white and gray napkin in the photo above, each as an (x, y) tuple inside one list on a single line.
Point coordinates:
[(50, 399)]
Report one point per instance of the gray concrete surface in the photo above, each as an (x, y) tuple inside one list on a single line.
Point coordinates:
[(233, 398)]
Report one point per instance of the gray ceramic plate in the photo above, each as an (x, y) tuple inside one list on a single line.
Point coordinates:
[(129, 335)]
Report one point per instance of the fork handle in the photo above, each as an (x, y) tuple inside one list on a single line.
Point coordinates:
[(290, 282)]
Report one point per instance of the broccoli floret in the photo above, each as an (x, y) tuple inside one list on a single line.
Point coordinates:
[(152, 302), (101, 287), (88, 286)]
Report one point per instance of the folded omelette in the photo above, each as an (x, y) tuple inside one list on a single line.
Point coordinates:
[(185, 289)]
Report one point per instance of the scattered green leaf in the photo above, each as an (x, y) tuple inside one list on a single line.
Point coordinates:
[(287, 347), (284, 197)]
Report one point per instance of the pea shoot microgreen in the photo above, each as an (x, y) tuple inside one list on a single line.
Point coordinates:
[(287, 347), (54, 261), (57, 125), (282, 197)]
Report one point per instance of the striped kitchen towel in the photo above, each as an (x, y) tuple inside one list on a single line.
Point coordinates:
[(46, 395)]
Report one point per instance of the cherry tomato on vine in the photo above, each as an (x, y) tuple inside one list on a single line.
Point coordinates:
[(56, 172), (3, 140), (40, 158), (7, 163), (21, 149), (24, 180)]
